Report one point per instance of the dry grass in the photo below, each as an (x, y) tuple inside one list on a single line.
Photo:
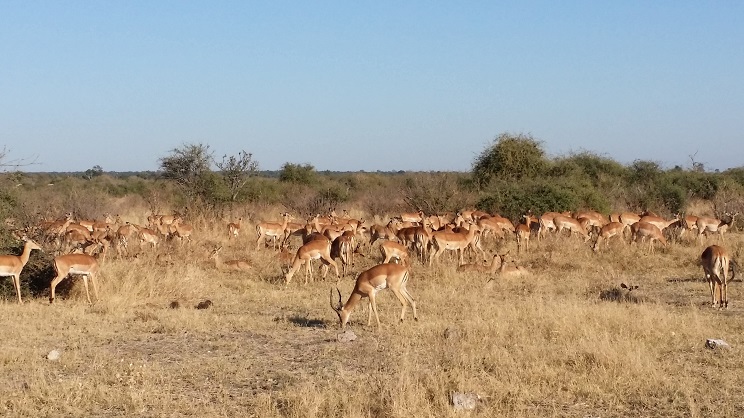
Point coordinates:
[(544, 346)]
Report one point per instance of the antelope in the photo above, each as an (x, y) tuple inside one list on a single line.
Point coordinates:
[(368, 283), (643, 230), (547, 223), (661, 223), (181, 230), (689, 223), (12, 265), (149, 236), (482, 268), (272, 229), (629, 218), (411, 217), (709, 225), (343, 247), (509, 271), (608, 231), (523, 237), (392, 249), (75, 264), (715, 261), (233, 229), (238, 265), (313, 250), (562, 222), (453, 241), (388, 231)]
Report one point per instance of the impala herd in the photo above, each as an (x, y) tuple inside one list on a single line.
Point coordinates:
[(336, 239)]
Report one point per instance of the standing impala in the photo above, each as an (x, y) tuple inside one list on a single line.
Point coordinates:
[(272, 229), (75, 264), (368, 283), (715, 261), (313, 250), (12, 265)]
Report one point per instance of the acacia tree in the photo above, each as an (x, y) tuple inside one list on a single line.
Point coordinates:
[(236, 172), (187, 167)]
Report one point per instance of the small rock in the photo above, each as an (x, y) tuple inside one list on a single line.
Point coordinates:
[(175, 305), (713, 344), (205, 304), (54, 355), (462, 401), (346, 336)]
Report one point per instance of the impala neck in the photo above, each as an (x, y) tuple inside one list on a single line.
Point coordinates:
[(26, 254), (345, 312)]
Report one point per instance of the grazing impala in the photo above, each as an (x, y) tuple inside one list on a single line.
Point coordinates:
[(643, 230), (75, 264), (612, 229), (715, 261), (313, 250), (12, 265), (272, 229), (629, 218), (368, 283), (565, 222), (392, 249)]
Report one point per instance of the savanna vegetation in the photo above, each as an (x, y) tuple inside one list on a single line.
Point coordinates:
[(566, 340)]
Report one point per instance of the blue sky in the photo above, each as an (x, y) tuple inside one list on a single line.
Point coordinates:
[(369, 85)]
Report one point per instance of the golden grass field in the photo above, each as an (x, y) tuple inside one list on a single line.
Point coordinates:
[(543, 346)]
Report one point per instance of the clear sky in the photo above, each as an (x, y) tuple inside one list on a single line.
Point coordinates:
[(369, 85)]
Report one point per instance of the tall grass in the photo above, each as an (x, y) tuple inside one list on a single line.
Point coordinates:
[(547, 345)]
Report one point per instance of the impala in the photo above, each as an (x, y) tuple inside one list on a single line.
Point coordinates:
[(313, 250), (239, 265), (661, 223), (629, 218), (547, 223), (411, 217), (148, 236), (495, 224), (388, 231), (508, 270), (715, 261), (343, 247), (392, 249), (482, 268), (689, 223), (453, 241), (562, 222), (608, 231), (523, 237), (368, 283), (272, 229), (181, 230), (643, 230), (12, 265), (75, 264), (713, 225), (233, 229)]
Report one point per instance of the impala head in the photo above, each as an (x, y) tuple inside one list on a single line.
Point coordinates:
[(215, 252), (338, 307), (31, 244)]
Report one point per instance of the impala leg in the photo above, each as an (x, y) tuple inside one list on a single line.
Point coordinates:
[(17, 285), (369, 312), (711, 286), (54, 284), (373, 305), (94, 280), (403, 301), (724, 293), (87, 293)]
